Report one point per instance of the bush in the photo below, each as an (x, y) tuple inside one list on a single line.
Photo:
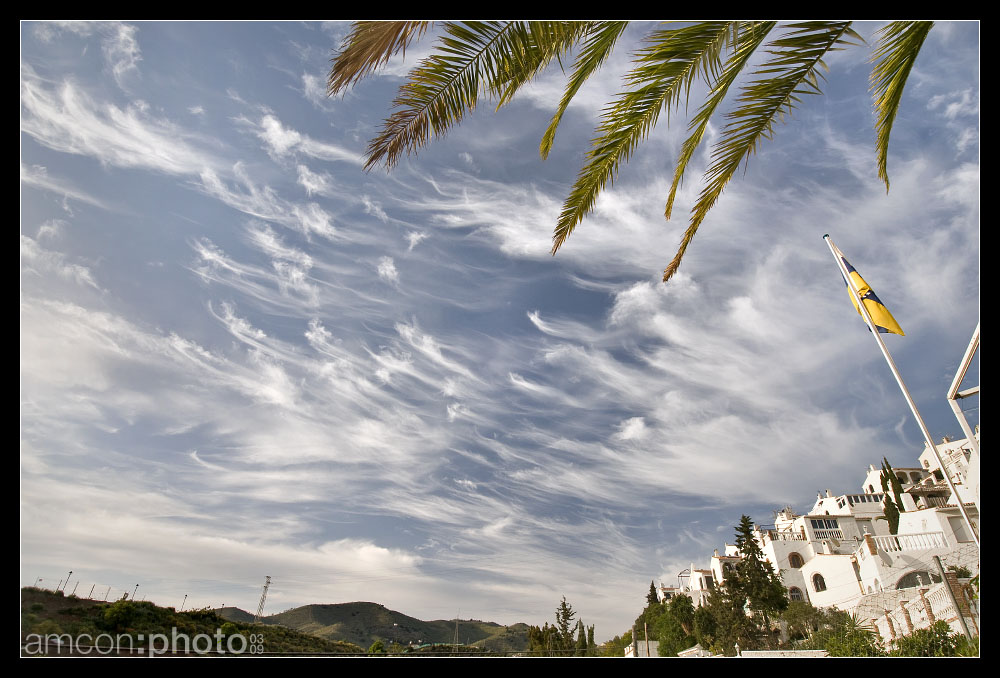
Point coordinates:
[(937, 641)]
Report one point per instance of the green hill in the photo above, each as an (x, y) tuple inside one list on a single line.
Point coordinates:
[(51, 614), (363, 623)]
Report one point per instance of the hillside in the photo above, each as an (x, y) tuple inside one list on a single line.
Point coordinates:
[(80, 621), (363, 623)]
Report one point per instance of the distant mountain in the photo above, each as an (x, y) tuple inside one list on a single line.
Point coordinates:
[(363, 623)]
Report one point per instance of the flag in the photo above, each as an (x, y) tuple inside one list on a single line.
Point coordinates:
[(880, 315)]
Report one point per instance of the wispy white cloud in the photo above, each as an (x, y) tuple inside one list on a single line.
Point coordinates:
[(281, 142), (66, 119), (387, 270), (38, 260), (265, 203), (118, 43)]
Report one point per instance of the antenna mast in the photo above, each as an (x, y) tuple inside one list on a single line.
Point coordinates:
[(263, 597)]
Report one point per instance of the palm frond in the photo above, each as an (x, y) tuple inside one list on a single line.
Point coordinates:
[(547, 40), (896, 51), (369, 45), (749, 37), (596, 49), (471, 59), (666, 69), (790, 71)]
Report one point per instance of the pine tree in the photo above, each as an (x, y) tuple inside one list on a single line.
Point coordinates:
[(651, 597), (765, 593), (581, 640), (564, 622)]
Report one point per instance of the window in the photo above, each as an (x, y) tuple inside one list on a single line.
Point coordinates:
[(795, 560), (795, 593), (819, 584), (915, 477), (824, 524)]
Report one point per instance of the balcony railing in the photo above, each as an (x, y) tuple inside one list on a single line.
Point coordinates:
[(775, 535), (828, 534), (911, 542)]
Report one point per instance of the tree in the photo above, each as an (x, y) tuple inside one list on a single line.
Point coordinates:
[(564, 623), (495, 59), (892, 506), (756, 578), (651, 597), (675, 629), (743, 608)]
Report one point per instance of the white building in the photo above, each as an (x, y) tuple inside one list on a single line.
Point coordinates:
[(840, 553)]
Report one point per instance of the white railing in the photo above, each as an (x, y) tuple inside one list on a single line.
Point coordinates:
[(828, 534), (775, 535), (911, 542)]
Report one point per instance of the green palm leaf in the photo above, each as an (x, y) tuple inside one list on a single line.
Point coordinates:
[(896, 51), (370, 45), (666, 68), (790, 71), (750, 36), (471, 59), (596, 50), (546, 40)]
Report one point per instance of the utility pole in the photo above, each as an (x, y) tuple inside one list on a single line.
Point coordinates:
[(75, 587), (107, 594), (134, 590), (263, 597), (184, 603)]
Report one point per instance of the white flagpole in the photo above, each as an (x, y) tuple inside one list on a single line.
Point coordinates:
[(856, 293)]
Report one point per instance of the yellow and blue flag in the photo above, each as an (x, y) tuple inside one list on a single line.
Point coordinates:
[(880, 315)]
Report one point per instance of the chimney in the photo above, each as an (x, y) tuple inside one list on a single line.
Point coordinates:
[(828, 493)]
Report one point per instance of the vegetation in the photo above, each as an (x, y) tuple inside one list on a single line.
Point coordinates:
[(564, 638), (475, 60), (362, 623), (937, 641), (893, 506), (47, 612)]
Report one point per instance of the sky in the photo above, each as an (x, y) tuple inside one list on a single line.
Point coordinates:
[(241, 355)]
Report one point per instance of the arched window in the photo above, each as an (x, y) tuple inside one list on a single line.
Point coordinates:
[(901, 477), (819, 584), (795, 593), (795, 560), (871, 489), (915, 477)]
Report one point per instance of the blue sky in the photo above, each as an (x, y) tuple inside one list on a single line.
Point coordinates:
[(241, 355)]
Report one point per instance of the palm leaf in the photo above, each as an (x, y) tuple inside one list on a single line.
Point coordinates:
[(596, 50), (547, 40), (750, 36), (666, 69), (790, 71), (370, 45), (471, 59), (896, 51)]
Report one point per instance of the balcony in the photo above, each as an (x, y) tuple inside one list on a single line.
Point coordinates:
[(911, 542), (895, 543), (775, 535), (828, 534)]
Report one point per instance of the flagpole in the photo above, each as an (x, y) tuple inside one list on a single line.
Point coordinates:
[(899, 380)]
